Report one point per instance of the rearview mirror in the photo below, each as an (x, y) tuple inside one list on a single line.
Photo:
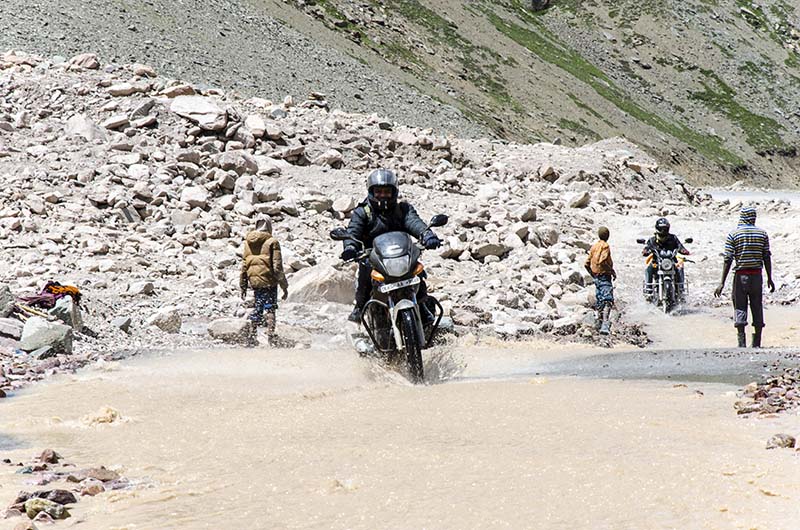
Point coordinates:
[(339, 234), (641, 241), (438, 220), (690, 240)]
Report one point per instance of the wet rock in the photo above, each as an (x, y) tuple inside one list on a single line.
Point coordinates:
[(39, 333), (57, 496), (167, 319), (49, 456), (231, 330), (781, 441), (35, 506), (102, 474)]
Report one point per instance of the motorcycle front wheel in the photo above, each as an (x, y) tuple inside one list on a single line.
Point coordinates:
[(408, 328)]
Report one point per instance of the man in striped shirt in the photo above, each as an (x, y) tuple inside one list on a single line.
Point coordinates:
[(748, 246)]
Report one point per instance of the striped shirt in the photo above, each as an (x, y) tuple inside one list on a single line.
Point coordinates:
[(748, 244)]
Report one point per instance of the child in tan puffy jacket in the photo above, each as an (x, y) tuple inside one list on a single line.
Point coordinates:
[(262, 270)]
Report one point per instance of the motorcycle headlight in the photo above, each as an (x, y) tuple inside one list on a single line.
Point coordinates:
[(397, 267), (666, 265)]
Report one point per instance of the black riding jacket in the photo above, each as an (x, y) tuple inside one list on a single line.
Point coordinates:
[(366, 223), (671, 243)]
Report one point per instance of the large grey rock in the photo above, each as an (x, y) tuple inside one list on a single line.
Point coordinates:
[(39, 333), (167, 319), (201, 110), (322, 282), (6, 301), (10, 327), (69, 312), (232, 330)]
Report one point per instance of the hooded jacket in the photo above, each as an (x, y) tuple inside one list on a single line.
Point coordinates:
[(748, 244), (263, 263)]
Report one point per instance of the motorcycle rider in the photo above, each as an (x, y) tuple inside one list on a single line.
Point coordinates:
[(379, 213), (663, 240)]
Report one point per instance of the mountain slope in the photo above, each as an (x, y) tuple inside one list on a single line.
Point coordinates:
[(709, 87)]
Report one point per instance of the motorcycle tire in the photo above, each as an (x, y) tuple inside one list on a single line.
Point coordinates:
[(408, 328)]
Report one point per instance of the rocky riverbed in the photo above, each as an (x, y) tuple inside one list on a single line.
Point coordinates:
[(138, 189)]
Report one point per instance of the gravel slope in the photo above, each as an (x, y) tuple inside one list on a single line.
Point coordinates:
[(238, 45)]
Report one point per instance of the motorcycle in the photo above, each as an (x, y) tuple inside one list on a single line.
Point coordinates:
[(393, 316), (667, 290)]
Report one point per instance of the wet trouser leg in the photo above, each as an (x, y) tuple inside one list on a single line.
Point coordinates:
[(363, 284)]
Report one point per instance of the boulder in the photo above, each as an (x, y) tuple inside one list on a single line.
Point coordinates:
[(322, 282), (140, 289), (6, 301), (200, 110), (242, 162), (122, 323), (331, 157), (80, 125), (69, 312), (85, 61), (548, 235), (578, 199), (786, 441), (256, 124), (195, 196), (231, 330), (40, 333), (344, 204), (167, 319), (10, 327), (36, 505)]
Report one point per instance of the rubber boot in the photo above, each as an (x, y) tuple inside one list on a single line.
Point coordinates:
[(605, 327), (741, 337), (757, 337), (269, 323)]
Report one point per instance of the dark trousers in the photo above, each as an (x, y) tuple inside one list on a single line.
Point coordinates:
[(266, 301), (747, 291), (364, 285)]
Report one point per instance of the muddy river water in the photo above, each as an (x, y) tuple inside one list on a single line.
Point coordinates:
[(321, 439), (499, 438)]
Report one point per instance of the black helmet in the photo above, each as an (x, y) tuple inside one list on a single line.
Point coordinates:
[(662, 227), (382, 178)]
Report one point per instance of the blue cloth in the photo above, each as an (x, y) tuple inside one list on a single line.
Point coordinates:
[(266, 300), (605, 291)]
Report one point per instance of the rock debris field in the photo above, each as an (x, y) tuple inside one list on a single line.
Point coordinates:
[(139, 189)]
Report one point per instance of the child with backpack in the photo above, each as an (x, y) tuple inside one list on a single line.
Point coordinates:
[(262, 270)]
